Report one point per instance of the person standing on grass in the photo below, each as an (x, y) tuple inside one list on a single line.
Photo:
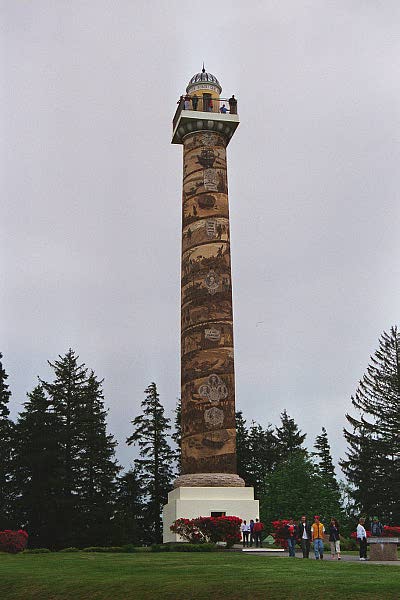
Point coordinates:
[(317, 535), (245, 534), (291, 535), (362, 539), (334, 538), (257, 530), (304, 533)]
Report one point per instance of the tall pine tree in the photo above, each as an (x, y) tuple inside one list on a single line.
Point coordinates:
[(88, 468), (37, 470), (242, 447), (324, 459), (177, 435), (290, 438), (129, 523), (97, 468), (156, 458), (373, 459), (6, 443), (263, 455)]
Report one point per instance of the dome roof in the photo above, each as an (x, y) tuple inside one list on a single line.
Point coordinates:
[(204, 77)]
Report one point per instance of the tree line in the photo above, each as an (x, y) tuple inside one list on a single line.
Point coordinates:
[(59, 477)]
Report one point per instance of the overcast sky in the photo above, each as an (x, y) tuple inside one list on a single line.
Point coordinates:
[(91, 195)]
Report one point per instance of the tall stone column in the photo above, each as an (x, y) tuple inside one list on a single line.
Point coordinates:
[(207, 360)]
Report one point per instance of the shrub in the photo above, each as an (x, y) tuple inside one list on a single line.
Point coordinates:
[(347, 544), (184, 547), (391, 531), (279, 533), (388, 531), (209, 529), (160, 547), (72, 549), (128, 548), (37, 551), (103, 549), (13, 541), (206, 547)]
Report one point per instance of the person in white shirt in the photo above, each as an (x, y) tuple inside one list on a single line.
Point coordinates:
[(362, 539), (245, 534)]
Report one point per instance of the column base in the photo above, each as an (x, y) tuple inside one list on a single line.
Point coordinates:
[(192, 502), (209, 480)]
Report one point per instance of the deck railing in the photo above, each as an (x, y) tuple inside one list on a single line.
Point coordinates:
[(199, 103)]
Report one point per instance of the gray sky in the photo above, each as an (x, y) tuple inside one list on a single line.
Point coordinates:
[(91, 195)]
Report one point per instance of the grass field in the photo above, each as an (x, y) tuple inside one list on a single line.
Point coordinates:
[(178, 576)]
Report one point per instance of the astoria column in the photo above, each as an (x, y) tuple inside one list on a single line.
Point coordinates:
[(204, 124)]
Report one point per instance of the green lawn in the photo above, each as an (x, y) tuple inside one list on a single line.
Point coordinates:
[(184, 576)]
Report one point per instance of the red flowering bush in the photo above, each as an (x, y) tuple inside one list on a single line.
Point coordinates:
[(280, 534), (391, 531), (13, 541), (209, 529)]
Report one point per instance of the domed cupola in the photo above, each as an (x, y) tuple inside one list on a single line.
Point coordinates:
[(204, 80)]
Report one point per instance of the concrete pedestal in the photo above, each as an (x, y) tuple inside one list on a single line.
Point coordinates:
[(383, 548), (192, 502)]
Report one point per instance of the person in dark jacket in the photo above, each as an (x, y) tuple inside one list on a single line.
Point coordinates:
[(334, 538), (376, 527), (251, 532), (304, 534), (233, 105), (291, 536)]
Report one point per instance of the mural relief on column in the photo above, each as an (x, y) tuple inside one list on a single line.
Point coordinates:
[(208, 386)]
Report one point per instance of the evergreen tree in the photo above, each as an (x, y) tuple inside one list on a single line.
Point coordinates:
[(6, 443), (129, 522), (96, 486), (154, 465), (177, 435), (262, 456), (290, 438), (242, 447), (325, 464), (37, 470), (362, 473), (86, 453), (295, 488), (373, 459), (66, 394), (257, 452)]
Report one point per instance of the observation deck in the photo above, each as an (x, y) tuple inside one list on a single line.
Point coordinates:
[(204, 114)]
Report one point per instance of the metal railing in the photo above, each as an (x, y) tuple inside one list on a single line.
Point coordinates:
[(205, 104)]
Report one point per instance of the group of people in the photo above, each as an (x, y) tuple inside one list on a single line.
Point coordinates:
[(251, 533), (307, 533), (192, 103)]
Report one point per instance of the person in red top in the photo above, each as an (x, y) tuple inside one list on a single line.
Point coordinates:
[(257, 530)]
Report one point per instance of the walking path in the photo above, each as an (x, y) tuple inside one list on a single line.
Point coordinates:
[(327, 556)]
